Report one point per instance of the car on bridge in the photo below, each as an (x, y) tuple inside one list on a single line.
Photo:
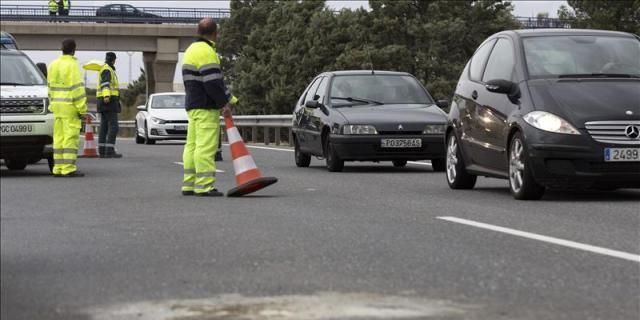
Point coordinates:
[(163, 117), (124, 11), (548, 109), (368, 116)]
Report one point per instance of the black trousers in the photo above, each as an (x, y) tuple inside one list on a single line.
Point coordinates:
[(108, 133)]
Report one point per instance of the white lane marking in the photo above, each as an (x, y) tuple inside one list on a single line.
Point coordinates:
[(181, 164), (420, 163), (558, 241), (265, 148)]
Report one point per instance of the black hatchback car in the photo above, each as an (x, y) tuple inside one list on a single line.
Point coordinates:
[(368, 116), (124, 11), (548, 109)]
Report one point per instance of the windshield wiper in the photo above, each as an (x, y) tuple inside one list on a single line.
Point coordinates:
[(599, 75), (362, 100), (12, 84)]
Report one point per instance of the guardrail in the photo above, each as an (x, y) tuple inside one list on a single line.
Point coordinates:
[(252, 128), (89, 14)]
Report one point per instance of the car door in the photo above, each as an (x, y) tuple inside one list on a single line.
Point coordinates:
[(496, 107), (304, 137), (318, 118), (470, 93), (128, 11)]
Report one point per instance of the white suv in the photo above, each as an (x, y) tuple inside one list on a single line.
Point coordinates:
[(26, 125)]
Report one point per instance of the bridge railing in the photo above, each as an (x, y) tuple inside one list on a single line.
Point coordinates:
[(258, 128), (88, 14)]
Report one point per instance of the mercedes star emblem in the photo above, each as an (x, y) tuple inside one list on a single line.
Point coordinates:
[(632, 132)]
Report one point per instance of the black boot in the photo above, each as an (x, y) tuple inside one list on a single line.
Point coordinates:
[(210, 193)]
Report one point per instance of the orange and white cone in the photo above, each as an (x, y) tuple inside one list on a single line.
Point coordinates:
[(90, 147), (248, 176)]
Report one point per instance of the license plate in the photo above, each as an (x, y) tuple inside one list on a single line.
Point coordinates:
[(401, 143), (621, 154), (181, 128), (16, 128)]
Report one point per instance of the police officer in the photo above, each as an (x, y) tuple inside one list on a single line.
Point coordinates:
[(53, 8), (68, 103), (206, 95), (108, 96)]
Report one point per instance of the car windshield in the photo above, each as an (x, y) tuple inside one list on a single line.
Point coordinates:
[(377, 89), (18, 70), (569, 56), (168, 102)]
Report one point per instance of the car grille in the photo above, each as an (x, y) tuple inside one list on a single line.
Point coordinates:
[(22, 106), (177, 121), (613, 132)]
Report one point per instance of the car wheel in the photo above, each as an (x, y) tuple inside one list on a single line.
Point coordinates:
[(146, 135), (302, 160), (457, 175), (334, 163), (16, 163), (521, 182), (139, 139), (439, 165), (399, 163)]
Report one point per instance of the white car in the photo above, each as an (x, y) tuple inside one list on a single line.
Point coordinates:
[(163, 118)]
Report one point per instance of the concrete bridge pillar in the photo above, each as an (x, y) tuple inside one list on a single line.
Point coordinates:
[(160, 66)]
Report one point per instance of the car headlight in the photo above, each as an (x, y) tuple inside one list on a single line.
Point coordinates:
[(157, 120), (433, 129), (549, 122), (358, 129)]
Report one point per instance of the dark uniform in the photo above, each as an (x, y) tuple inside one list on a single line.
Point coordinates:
[(108, 86)]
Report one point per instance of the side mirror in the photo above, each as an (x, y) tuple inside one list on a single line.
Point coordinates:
[(442, 104), (312, 104), (507, 87), (42, 67), (141, 108)]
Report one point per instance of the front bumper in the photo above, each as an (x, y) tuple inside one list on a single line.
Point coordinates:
[(367, 148), (26, 136), (559, 161), (173, 131)]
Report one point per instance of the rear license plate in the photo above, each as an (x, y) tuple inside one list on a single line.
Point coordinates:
[(16, 128), (180, 128), (621, 154), (401, 143)]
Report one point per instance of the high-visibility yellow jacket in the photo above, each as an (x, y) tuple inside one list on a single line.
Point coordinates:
[(108, 86), (203, 82), (65, 4), (53, 6), (67, 97)]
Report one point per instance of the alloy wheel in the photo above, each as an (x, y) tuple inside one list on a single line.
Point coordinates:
[(516, 165), (452, 158)]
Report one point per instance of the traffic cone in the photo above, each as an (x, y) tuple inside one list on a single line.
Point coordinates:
[(90, 147), (248, 176)]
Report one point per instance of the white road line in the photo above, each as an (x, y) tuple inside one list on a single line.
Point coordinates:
[(182, 163), (265, 148), (561, 242), (420, 163)]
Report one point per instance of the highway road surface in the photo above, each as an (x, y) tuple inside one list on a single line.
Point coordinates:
[(373, 242)]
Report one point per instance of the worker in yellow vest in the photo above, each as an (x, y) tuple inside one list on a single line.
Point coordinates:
[(68, 102), (206, 95), (53, 8), (108, 96)]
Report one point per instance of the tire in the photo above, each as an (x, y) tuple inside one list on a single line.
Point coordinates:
[(16, 163), (146, 135), (521, 182), (139, 139), (456, 172), (334, 163), (439, 165), (302, 160), (399, 163)]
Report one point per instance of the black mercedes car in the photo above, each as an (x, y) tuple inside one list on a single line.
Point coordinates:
[(368, 116), (125, 12), (548, 109)]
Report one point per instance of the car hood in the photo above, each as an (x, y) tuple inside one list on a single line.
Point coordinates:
[(389, 117), (21, 92), (169, 114), (588, 99)]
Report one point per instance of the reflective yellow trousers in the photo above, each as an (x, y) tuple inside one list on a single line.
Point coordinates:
[(66, 141), (198, 156)]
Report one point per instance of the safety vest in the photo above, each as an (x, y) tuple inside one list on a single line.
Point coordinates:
[(202, 77), (108, 89), (67, 96), (65, 4), (53, 6)]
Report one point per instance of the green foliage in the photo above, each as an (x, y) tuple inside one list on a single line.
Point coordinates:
[(136, 88), (618, 15), (271, 49)]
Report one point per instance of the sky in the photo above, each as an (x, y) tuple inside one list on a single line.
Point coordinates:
[(521, 8)]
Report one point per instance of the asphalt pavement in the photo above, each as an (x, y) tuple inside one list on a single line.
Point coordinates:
[(372, 242)]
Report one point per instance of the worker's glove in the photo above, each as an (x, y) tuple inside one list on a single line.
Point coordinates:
[(226, 110), (106, 99)]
